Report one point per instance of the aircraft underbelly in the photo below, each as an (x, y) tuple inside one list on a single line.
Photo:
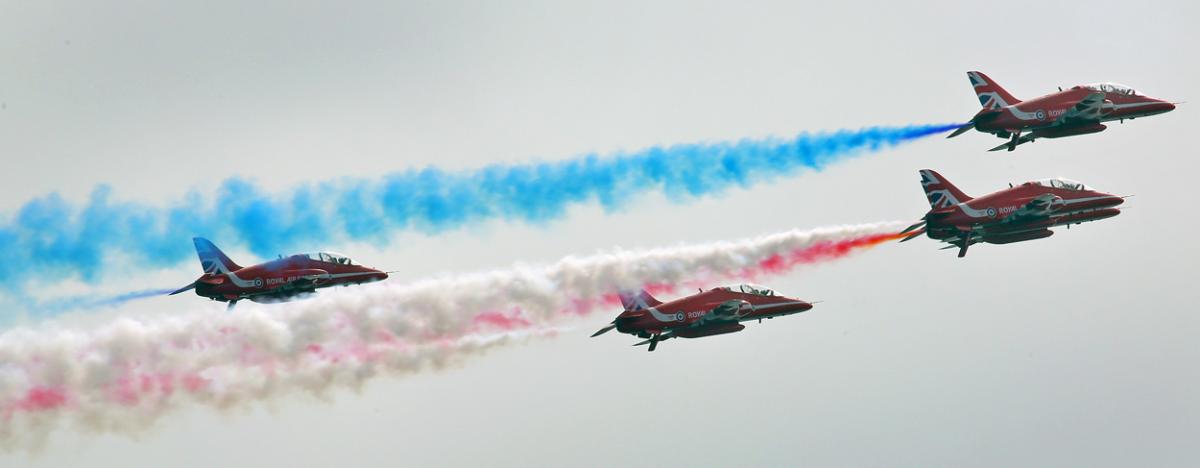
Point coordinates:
[(710, 330)]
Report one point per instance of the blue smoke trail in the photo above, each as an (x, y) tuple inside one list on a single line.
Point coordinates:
[(58, 306), (49, 236)]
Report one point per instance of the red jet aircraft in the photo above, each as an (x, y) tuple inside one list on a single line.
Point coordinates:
[(713, 312), (1021, 213), (274, 281), (1076, 111)]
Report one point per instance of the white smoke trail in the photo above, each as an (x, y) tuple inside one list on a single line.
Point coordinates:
[(124, 376), (542, 293)]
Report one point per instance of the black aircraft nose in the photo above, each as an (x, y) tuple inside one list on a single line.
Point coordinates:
[(1109, 200), (796, 306)]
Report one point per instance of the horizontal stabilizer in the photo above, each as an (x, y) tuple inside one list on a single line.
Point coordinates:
[(914, 226), (605, 329), (913, 235), (1010, 146), (961, 130), (183, 289)]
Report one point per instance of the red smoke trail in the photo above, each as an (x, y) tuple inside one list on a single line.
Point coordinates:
[(36, 399), (41, 398), (819, 252), (774, 265), (513, 320), (134, 387), (777, 264)]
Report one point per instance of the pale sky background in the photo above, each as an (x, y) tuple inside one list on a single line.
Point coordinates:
[(1077, 350)]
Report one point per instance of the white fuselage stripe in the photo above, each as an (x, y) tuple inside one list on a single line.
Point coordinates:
[(238, 281), (1081, 200), (661, 317)]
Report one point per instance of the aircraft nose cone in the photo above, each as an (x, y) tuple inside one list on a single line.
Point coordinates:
[(1159, 106), (1108, 200), (798, 306), (376, 275)]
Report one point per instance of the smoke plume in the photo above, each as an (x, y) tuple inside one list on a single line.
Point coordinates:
[(49, 236), (123, 376)]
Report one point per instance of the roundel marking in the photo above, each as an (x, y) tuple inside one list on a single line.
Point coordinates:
[(991, 212)]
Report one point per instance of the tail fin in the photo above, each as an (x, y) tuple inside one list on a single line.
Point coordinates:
[(212, 259), (940, 192), (991, 95), (640, 301)]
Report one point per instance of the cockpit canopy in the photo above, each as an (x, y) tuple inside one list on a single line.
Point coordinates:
[(756, 290), (1061, 183), (330, 257), (1111, 88)]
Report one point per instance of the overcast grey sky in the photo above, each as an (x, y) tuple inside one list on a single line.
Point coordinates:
[(1077, 350)]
